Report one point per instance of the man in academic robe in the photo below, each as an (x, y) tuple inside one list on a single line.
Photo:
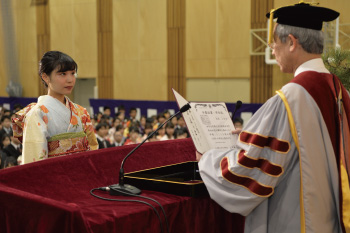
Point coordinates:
[(289, 171)]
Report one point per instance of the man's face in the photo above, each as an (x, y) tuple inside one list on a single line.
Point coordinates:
[(6, 123), (107, 112), (181, 122), (118, 136), (282, 54), (132, 113), (238, 125), (103, 131)]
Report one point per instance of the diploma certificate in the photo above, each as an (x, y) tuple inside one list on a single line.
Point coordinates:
[(209, 124)]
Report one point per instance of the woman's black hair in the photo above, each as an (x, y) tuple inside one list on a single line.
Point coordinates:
[(53, 60)]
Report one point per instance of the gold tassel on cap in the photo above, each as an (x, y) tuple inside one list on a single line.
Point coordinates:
[(270, 41)]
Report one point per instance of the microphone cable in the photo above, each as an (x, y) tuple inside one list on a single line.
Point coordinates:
[(138, 201)]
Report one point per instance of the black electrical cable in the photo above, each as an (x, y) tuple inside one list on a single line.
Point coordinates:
[(127, 200), (148, 198)]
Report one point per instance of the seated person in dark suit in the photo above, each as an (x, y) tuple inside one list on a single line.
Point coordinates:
[(101, 134), (10, 162), (14, 149), (4, 142), (2, 159), (6, 126)]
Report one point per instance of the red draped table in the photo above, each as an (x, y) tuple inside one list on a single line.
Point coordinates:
[(53, 195)]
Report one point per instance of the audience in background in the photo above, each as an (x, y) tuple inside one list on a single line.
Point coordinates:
[(142, 121), (161, 133), (181, 133), (6, 125), (107, 111), (153, 138), (134, 136), (10, 162), (169, 132), (14, 149), (147, 131), (118, 139), (238, 123), (101, 134), (10, 147), (5, 141), (166, 114)]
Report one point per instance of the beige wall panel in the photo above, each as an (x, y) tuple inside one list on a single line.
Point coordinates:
[(217, 50), (3, 66), (233, 38), (202, 90), (85, 38), (29, 79), (74, 31), (140, 80), (201, 35), (153, 30), (62, 27), (26, 45), (201, 68), (152, 81), (140, 49), (25, 21), (125, 73), (231, 90), (226, 90), (54, 3), (126, 30), (234, 67)]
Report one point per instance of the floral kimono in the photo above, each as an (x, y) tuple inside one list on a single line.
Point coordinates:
[(49, 128)]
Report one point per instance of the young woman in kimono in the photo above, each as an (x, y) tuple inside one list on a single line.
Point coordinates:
[(54, 126)]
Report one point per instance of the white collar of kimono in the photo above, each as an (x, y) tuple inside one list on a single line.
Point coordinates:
[(54, 99), (312, 65)]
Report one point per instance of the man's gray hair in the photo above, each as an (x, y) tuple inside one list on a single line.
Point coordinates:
[(311, 40)]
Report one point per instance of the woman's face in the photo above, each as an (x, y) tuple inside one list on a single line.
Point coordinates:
[(170, 131), (161, 131), (134, 136), (60, 83), (143, 121), (116, 122)]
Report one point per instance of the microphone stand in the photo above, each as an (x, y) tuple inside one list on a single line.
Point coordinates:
[(122, 189)]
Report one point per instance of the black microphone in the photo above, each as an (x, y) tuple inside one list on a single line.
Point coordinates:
[(122, 189), (238, 106)]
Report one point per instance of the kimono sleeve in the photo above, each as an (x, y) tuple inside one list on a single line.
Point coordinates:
[(242, 178), (35, 137), (89, 130)]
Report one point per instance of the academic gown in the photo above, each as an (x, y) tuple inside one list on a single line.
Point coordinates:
[(49, 128), (284, 174)]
